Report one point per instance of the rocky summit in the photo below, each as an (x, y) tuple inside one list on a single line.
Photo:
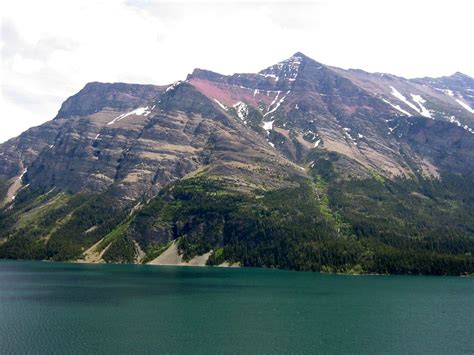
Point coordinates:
[(300, 166)]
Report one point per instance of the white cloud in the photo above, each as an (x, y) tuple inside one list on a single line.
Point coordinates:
[(25, 65), (51, 48)]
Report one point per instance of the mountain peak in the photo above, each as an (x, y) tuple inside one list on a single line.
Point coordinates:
[(461, 75), (97, 95), (299, 55), (216, 162), (206, 74), (287, 69)]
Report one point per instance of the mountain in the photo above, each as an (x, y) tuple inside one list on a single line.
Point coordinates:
[(301, 166)]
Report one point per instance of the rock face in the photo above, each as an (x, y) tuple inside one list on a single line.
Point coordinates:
[(138, 152), (117, 150), (97, 96), (354, 113)]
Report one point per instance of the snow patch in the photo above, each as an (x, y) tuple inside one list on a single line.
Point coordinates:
[(347, 133), (23, 174), (278, 103), (274, 100), (465, 106), (242, 110), (390, 129), (402, 98), (420, 101), (222, 106), (316, 144), (149, 111), (267, 126), (454, 120), (137, 112), (20, 178), (397, 107), (469, 129), (173, 86), (462, 103), (287, 69), (270, 76)]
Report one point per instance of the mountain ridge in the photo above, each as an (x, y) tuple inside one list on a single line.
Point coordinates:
[(294, 167)]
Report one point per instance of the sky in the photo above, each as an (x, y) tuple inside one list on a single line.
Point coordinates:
[(51, 48)]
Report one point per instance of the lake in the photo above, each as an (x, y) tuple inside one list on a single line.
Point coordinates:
[(77, 308)]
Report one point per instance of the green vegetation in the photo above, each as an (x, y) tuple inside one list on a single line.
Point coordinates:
[(217, 257), (56, 225), (411, 225), (115, 234), (329, 224), (99, 214), (121, 250), (355, 226), (3, 190), (154, 252)]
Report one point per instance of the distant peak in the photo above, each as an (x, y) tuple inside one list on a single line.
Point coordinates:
[(301, 58), (287, 69), (458, 74), (95, 96), (299, 55), (207, 75), (120, 86)]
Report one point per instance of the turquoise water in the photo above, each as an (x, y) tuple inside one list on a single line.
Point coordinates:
[(70, 308)]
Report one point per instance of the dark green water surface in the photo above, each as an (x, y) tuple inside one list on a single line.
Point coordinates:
[(70, 308)]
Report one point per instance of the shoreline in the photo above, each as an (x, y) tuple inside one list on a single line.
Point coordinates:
[(229, 267)]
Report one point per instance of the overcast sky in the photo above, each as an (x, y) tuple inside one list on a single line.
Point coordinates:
[(51, 48)]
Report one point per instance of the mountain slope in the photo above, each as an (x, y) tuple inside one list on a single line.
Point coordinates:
[(301, 166)]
